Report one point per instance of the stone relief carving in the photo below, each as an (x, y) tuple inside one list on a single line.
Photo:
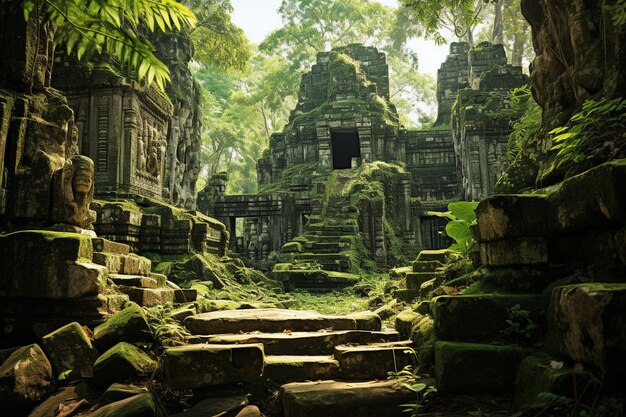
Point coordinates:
[(73, 192)]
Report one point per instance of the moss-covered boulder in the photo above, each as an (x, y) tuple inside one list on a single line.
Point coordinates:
[(291, 247), (129, 325), (70, 348), (25, 379), (123, 362)]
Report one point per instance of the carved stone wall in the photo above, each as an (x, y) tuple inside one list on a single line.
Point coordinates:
[(183, 143), (37, 130), (122, 126)]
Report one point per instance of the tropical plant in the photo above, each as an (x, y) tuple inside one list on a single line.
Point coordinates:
[(461, 216), (526, 126), (595, 134), (113, 27)]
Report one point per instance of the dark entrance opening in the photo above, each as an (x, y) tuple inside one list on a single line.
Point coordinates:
[(345, 146)]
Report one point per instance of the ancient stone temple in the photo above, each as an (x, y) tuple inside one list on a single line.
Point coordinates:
[(344, 122)]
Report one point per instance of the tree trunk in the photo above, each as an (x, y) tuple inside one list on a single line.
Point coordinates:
[(519, 45), (496, 35)]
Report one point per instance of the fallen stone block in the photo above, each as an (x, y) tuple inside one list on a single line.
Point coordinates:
[(123, 362), (69, 348), (25, 379), (129, 325)]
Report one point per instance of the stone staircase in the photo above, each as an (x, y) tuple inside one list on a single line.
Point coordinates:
[(321, 257), (423, 275), (132, 275), (348, 357)]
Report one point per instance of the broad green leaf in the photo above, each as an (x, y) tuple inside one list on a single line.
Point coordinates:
[(459, 231), (464, 210)]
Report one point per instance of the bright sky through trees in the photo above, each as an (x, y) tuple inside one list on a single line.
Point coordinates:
[(259, 17)]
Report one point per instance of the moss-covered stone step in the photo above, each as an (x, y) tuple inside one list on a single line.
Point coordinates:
[(414, 280), (372, 361), (343, 228), (326, 247), (341, 399), (407, 295), (206, 365), (483, 317), (148, 297), (589, 322), (292, 368), (426, 266), (134, 281), (314, 279), (541, 373), (268, 320), (322, 238), (339, 262), (439, 255), (473, 368), (303, 343)]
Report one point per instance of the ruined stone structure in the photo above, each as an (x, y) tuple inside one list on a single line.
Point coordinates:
[(344, 120), (142, 142), (121, 126)]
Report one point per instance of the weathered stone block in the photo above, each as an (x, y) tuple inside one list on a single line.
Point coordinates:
[(414, 280), (123, 362), (112, 261), (85, 278), (129, 325), (69, 348), (371, 362), (433, 255), (590, 324), (516, 251), (469, 368), (25, 379), (340, 399), (135, 265), (543, 374), (482, 317), (47, 275), (287, 368), (508, 216), (204, 365)]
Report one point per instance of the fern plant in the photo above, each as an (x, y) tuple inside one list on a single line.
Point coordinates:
[(595, 134)]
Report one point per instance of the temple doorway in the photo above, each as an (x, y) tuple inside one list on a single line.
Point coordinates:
[(345, 147)]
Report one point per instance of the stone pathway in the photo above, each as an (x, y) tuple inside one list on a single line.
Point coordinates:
[(324, 362)]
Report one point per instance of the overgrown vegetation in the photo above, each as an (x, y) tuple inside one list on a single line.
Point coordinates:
[(594, 135), (462, 217)]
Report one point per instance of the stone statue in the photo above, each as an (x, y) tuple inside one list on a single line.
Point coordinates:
[(73, 192)]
